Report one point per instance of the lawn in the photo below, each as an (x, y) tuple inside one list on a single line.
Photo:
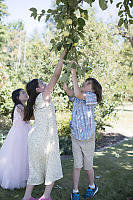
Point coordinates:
[(113, 175)]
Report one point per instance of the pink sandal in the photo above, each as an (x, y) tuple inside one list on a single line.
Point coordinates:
[(42, 198), (31, 198)]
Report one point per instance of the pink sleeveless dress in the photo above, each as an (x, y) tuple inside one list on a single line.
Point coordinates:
[(14, 167)]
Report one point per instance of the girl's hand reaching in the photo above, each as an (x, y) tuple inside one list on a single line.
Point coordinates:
[(65, 86), (73, 71), (64, 53)]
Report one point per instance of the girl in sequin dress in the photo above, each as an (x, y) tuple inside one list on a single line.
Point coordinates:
[(14, 169), (43, 143)]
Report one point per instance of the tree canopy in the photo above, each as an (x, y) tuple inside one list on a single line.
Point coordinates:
[(96, 46), (70, 19)]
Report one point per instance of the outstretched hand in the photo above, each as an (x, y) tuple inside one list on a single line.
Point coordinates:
[(64, 53), (64, 86)]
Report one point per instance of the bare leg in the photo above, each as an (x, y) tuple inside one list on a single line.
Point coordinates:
[(47, 191), (90, 174), (76, 176), (29, 189)]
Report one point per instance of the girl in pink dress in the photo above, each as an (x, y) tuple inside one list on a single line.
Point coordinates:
[(14, 168)]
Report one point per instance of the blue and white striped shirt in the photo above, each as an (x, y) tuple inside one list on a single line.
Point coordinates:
[(82, 121)]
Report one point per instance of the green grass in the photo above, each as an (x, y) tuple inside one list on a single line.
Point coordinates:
[(114, 166)]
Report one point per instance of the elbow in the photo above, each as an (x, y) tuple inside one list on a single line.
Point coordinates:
[(77, 95)]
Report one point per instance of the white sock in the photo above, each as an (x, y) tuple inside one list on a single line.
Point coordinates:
[(75, 191), (92, 186)]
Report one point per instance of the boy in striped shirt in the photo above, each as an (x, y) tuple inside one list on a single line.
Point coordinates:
[(83, 130)]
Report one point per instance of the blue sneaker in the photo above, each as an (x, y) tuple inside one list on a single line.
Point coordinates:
[(91, 192), (75, 196)]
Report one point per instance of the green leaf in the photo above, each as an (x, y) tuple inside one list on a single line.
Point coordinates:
[(128, 12), (111, 1), (75, 23), (81, 21), (49, 11), (130, 21), (86, 14), (76, 39), (120, 12), (69, 41), (80, 28), (52, 41), (118, 4), (131, 4), (59, 45), (89, 1), (33, 15), (103, 4), (120, 22), (39, 17), (47, 18), (43, 11), (126, 25), (34, 10), (57, 2)]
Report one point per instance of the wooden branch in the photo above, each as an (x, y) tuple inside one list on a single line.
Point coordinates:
[(130, 38)]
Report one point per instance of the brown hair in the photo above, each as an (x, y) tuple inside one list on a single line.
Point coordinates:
[(96, 86), (15, 99), (31, 91)]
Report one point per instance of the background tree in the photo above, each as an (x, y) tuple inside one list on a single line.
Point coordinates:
[(3, 13), (98, 49)]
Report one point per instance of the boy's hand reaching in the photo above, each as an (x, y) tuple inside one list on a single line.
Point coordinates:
[(68, 90)]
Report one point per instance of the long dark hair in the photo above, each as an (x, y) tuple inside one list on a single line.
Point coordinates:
[(31, 91), (96, 87), (15, 99)]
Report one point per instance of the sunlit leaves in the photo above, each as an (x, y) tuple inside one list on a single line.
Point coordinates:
[(70, 26), (124, 13)]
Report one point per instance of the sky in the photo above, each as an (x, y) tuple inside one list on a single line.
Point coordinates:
[(19, 10)]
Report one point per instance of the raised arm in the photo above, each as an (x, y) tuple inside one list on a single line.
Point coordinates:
[(77, 90), (68, 90), (49, 88)]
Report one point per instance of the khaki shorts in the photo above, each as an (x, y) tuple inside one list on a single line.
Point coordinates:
[(83, 152)]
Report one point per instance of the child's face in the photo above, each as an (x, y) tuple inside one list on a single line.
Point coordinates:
[(23, 97), (87, 86), (41, 85)]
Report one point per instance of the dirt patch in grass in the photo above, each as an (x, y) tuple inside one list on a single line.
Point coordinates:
[(109, 139)]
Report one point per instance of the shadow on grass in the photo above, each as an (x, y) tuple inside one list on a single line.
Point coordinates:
[(113, 172)]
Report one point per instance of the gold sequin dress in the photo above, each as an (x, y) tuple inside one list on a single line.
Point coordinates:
[(43, 144)]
